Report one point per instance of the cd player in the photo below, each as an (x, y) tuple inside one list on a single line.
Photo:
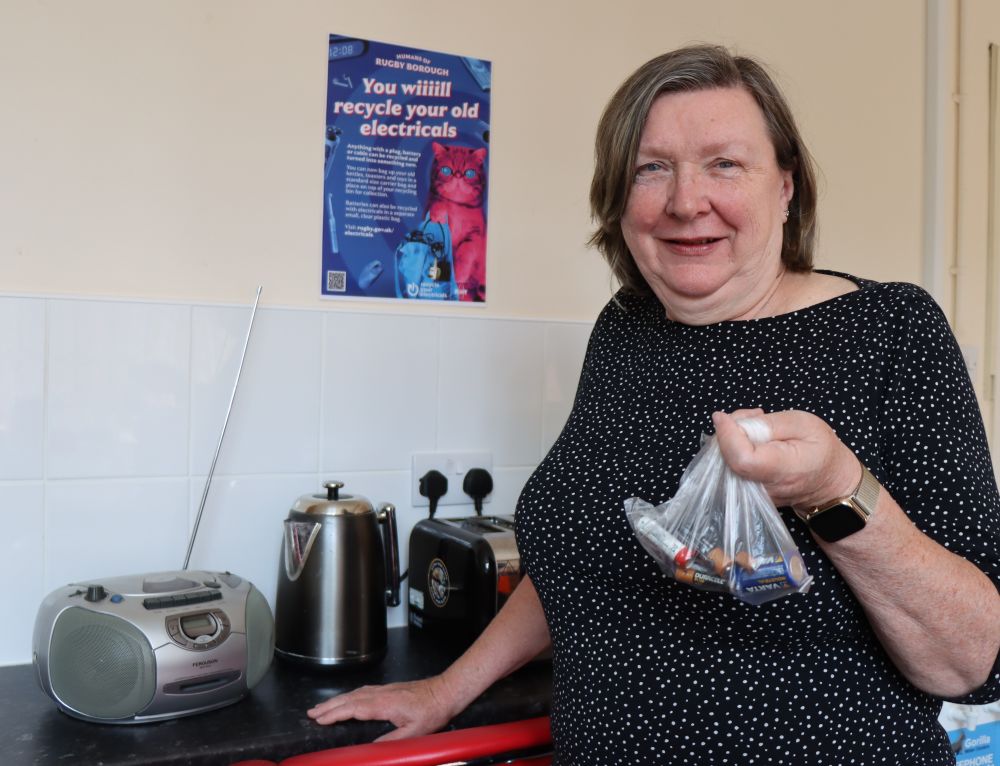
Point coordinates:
[(153, 646)]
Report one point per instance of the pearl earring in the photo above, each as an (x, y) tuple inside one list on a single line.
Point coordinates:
[(786, 214)]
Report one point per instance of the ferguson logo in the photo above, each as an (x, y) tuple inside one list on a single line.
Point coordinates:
[(203, 663)]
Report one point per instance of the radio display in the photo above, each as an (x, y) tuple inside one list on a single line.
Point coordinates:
[(197, 625)]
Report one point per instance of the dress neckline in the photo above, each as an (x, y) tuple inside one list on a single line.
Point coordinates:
[(787, 316)]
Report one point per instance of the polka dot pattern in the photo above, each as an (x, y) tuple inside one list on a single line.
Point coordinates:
[(650, 671)]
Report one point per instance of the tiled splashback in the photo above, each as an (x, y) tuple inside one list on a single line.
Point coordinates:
[(110, 412)]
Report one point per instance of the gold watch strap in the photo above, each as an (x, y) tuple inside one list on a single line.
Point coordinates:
[(866, 495), (864, 498)]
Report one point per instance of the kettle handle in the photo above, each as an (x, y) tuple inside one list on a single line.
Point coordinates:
[(390, 545)]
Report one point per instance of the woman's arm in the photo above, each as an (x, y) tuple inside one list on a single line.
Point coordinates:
[(516, 635), (935, 613)]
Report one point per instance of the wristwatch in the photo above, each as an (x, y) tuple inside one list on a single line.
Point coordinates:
[(847, 515)]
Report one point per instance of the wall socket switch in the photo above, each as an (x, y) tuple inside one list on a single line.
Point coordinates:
[(454, 466)]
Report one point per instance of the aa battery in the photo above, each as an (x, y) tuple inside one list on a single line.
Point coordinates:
[(672, 548), (721, 562), (694, 575)]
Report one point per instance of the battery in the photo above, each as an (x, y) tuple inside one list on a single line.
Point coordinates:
[(694, 575), (771, 577), (671, 547), (721, 562)]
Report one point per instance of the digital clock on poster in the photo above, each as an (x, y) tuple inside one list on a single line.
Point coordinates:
[(346, 49)]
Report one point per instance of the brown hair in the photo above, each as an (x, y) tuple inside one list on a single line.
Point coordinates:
[(693, 68)]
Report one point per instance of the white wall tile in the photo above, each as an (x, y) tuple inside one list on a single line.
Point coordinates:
[(565, 347), (118, 382), (21, 528), (507, 486), (490, 390), (379, 390), (242, 525), (141, 390), (110, 528), (274, 423), (22, 343)]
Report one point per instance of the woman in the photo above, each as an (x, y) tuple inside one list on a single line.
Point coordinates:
[(705, 197)]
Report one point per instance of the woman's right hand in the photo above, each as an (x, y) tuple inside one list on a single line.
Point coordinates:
[(413, 707), (518, 633)]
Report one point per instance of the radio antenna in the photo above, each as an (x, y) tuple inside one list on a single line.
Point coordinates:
[(218, 447)]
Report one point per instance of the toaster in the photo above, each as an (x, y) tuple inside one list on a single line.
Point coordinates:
[(461, 572)]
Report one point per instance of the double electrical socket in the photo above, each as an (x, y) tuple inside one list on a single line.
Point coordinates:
[(454, 466)]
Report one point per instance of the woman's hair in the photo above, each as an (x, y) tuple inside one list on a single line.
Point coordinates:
[(693, 68)]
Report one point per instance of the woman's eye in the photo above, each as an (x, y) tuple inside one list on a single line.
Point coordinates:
[(725, 164), (649, 167)]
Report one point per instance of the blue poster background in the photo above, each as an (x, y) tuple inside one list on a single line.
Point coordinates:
[(386, 108)]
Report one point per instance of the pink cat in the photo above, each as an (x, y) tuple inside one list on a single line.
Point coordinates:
[(458, 182)]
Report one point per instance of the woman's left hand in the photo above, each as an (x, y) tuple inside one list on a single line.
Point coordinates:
[(935, 613), (805, 463)]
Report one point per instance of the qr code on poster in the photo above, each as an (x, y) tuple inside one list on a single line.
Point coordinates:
[(336, 281)]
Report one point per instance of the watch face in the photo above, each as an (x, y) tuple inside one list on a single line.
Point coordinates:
[(836, 522)]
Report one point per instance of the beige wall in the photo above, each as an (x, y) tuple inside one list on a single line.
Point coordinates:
[(170, 149), (976, 289)]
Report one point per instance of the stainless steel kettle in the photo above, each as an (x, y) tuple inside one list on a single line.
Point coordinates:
[(339, 571)]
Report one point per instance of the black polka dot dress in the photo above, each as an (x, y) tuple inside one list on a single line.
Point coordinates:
[(651, 671)]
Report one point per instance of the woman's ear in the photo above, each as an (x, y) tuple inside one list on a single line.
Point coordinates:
[(787, 189)]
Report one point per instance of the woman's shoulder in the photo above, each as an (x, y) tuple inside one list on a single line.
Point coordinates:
[(902, 294)]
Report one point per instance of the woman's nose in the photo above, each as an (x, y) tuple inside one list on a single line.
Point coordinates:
[(687, 199)]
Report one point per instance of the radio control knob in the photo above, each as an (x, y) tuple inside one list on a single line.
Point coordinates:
[(95, 593)]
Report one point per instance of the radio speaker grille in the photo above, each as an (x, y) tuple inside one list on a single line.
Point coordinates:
[(260, 637), (99, 665)]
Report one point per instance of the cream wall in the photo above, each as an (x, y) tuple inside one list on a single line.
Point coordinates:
[(170, 149), (976, 284)]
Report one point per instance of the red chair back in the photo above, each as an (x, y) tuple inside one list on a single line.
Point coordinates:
[(520, 743)]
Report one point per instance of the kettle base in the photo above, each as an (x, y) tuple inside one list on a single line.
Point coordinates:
[(351, 661)]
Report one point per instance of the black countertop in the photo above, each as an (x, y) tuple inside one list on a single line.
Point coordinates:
[(270, 723)]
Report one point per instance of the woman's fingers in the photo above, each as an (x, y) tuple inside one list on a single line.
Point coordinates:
[(362, 704), (803, 463), (412, 707)]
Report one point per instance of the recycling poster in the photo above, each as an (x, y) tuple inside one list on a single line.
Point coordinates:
[(406, 171)]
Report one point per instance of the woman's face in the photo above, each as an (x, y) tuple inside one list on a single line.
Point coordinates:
[(705, 213)]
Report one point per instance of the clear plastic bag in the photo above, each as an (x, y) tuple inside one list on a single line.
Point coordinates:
[(721, 532)]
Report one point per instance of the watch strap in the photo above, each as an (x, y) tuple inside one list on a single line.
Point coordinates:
[(863, 500)]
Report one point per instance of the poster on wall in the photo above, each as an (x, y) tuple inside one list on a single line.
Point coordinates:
[(405, 173)]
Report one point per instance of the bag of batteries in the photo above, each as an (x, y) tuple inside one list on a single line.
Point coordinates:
[(721, 532)]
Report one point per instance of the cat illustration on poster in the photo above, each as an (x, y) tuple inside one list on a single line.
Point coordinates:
[(457, 192)]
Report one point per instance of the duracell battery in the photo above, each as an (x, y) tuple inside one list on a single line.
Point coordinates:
[(692, 575)]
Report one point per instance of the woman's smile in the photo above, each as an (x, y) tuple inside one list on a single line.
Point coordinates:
[(692, 246)]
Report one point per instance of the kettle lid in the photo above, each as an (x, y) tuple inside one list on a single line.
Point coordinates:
[(333, 503)]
